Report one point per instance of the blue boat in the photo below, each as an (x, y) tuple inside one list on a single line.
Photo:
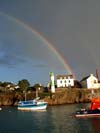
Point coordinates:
[(35, 104)]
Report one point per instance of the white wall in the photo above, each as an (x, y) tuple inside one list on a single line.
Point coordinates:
[(92, 82), (65, 82)]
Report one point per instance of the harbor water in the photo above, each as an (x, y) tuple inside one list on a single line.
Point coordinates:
[(56, 119)]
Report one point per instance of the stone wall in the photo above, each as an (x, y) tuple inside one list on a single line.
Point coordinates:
[(66, 96), (62, 96)]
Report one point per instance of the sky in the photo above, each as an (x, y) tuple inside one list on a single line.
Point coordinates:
[(40, 36)]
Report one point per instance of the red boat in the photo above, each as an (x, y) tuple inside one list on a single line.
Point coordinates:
[(95, 104), (92, 112)]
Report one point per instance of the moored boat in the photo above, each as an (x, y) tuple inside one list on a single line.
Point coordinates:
[(92, 112), (35, 104), (87, 113)]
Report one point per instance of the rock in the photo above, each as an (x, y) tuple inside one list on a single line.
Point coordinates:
[(62, 96)]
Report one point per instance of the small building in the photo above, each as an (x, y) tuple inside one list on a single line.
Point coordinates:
[(65, 81), (90, 82)]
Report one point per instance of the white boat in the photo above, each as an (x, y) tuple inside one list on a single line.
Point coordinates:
[(35, 104)]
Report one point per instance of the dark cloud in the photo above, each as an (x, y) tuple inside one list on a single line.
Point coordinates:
[(40, 66), (72, 27), (9, 55)]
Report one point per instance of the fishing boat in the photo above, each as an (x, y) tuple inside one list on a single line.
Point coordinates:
[(92, 112), (35, 104)]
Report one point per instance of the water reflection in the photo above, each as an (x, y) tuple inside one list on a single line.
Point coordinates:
[(56, 119), (96, 124)]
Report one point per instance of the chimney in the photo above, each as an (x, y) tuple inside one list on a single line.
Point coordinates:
[(97, 74)]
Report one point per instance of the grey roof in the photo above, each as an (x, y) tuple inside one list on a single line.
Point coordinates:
[(64, 76), (85, 78)]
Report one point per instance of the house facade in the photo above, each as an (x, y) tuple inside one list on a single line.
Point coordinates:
[(90, 82), (65, 81)]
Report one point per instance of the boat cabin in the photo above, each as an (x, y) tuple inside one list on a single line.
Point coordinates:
[(95, 103)]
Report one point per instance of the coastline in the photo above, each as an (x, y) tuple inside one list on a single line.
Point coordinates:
[(62, 96)]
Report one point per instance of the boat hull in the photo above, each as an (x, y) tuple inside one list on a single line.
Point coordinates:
[(88, 113), (33, 106)]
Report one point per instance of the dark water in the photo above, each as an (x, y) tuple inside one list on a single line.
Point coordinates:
[(57, 119)]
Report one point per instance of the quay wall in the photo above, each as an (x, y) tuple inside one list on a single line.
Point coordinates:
[(60, 97)]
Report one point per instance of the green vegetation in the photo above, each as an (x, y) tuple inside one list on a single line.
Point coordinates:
[(24, 85), (10, 94)]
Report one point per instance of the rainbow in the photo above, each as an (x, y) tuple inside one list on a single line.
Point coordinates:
[(46, 42)]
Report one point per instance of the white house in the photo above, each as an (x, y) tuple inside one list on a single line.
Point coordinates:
[(65, 80), (90, 82)]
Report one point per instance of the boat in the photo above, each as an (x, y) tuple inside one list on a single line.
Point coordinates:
[(35, 104), (92, 112)]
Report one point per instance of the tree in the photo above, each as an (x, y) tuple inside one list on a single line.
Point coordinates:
[(39, 88), (4, 84), (24, 84)]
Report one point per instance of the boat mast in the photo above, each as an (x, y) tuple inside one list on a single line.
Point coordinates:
[(25, 95)]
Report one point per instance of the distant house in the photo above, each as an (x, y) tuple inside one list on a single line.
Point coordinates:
[(12, 87), (90, 82), (65, 81)]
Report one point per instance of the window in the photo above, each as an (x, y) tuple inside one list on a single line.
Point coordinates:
[(95, 81)]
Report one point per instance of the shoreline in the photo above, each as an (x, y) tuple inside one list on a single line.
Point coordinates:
[(61, 97)]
